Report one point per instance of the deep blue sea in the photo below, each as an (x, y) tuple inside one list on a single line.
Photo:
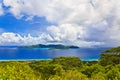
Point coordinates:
[(14, 53)]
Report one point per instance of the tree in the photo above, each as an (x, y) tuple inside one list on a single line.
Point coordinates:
[(109, 59), (92, 70), (17, 71), (98, 76), (113, 74), (68, 62), (70, 75)]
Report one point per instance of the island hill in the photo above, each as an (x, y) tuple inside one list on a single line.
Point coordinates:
[(115, 50), (51, 46)]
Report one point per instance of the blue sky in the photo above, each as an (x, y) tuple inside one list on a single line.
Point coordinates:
[(85, 23), (10, 24)]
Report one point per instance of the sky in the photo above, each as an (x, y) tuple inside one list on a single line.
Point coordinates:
[(84, 23)]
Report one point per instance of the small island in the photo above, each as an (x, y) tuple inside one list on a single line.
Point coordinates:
[(51, 46)]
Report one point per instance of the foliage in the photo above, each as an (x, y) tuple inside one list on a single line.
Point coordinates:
[(17, 71), (62, 68), (68, 62), (70, 75), (92, 70), (98, 76), (109, 59), (113, 74)]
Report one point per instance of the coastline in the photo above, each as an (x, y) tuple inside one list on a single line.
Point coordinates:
[(90, 59), (87, 59)]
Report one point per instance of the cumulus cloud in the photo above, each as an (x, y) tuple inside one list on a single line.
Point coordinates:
[(70, 34), (85, 11), (9, 38), (83, 22)]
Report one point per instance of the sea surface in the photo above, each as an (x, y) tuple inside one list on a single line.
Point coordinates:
[(15, 53)]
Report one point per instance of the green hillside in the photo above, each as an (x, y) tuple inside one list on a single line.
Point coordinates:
[(62, 68), (116, 49)]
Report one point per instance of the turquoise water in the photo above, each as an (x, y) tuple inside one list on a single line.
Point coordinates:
[(14, 53)]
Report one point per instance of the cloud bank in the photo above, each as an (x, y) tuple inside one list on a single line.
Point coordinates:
[(80, 22)]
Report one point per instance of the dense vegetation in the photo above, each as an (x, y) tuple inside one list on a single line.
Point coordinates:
[(63, 68)]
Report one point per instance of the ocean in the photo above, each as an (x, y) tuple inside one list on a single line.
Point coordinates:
[(15, 53)]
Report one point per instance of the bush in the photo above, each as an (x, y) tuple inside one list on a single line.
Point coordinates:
[(109, 59)]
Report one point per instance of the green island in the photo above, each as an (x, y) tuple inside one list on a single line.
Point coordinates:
[(62, 68), (50, 46)]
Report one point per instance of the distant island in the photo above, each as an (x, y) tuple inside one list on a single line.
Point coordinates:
[(51, 46)]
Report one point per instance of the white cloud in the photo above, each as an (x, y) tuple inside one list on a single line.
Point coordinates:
[(64, 10), (19, 8), (69, 32), (8, 38), (16, 39), (83, 22)]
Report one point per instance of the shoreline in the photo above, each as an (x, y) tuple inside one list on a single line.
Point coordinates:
[(41, 59)]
